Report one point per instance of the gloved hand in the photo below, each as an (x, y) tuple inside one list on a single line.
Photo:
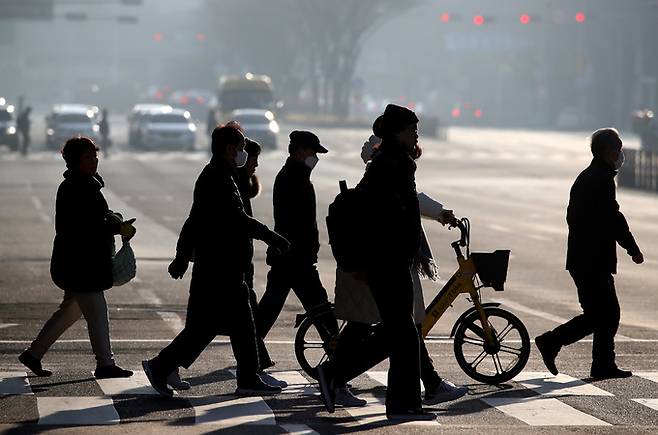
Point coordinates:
[(447, 217), (127, 230), (114, 217), (177, 268), (280, 244)]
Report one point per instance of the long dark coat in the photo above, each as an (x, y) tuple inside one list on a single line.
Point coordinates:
[(84, 229), (596, 224), (217, 234)]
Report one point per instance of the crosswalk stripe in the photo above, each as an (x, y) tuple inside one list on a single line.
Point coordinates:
[(232, 411), (137, 384), (650, 403), (375, 413), (76, 411), (539, 411), (14, 383), (297, 383), (382, 378), (298, 429), (546, 384), (652, 376)]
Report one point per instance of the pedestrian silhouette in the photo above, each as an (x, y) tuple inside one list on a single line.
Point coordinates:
[(23, 125), (596, 225), (104, 131), (389, 188), (81, 262), (295, 219), (217, 235)]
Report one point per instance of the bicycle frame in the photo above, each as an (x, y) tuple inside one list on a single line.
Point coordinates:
[(462, 281)]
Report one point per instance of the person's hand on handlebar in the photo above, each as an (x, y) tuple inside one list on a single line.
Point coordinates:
[(447, 217)]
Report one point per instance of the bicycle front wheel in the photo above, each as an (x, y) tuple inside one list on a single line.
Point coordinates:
[(500, 362)]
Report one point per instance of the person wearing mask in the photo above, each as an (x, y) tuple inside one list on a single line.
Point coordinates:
[(295, 219), (389, 188), (217, 235), (81, 262), (354, 301), (596, 226)]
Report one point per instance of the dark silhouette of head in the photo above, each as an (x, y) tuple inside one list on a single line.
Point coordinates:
[(606, 145), (74, 149), (398, 126)]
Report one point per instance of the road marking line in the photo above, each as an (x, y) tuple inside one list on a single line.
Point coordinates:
[(8, 325), (137, 384), (232, 411), (298, 429), (14, 383), (538, 411), (381, 377), (375, 413), (649, 403), (548, 316), (173, 320), (652, 376), (546, 384), (76, 411), (39, 207), (500, 228), (297, 383)]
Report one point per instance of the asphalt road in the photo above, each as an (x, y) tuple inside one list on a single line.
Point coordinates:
[(513, 185)]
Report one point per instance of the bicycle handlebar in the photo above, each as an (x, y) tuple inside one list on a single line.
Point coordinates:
[(464, 229)]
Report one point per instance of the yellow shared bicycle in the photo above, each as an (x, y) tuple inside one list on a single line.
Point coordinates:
[(491, 344)]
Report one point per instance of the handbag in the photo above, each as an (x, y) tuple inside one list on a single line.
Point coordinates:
[(124, 266)]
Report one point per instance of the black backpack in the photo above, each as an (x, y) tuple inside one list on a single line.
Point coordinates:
[(347, 227)]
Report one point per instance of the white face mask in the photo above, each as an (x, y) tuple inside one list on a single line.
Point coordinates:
[(241, 158), (620, 161), (311, 161)]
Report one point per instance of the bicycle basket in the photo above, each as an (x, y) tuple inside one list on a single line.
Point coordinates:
[(492, 268)]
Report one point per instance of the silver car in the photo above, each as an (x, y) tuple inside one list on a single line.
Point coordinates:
[(259, 125), (167, 129), (69, 120)]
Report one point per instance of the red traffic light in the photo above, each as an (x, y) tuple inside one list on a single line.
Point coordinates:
[(478, 20), (525, 19), (580, 17), (157, 37), (445, 17)]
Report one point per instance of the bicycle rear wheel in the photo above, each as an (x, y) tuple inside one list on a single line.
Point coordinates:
[(310, 349), (492, 364)]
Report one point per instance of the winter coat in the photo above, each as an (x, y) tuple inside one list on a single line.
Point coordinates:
[(295, 214), (84, 235), (595, 222)]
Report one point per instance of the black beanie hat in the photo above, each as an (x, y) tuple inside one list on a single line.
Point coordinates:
[(378, 126), (395, 119)]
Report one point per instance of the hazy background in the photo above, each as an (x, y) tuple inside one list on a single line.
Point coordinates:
[(574, 64)]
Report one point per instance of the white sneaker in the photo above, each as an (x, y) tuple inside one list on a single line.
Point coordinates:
[(175, 382), (271, 380), (444, 392), (345, 398)]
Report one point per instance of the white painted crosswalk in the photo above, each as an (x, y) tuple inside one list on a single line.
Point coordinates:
[(536, 399)]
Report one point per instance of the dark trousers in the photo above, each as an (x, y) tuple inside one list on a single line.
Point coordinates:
[(264, 359), (601, 312), (364, 346), (396, 336), (201, 327), (304, 280)]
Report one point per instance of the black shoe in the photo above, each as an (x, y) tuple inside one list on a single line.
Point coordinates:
[(33, 364), (327, 393), (612, 372), (113, 371), (411, 415), (548, 352), (157, 380), (256, 387)]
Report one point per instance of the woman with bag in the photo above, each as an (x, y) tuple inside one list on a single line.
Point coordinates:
[(82, 259)]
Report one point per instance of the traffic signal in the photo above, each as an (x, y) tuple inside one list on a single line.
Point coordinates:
[(525, 19), (478, 20), (580, 17)]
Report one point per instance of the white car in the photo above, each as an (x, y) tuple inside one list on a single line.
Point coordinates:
[(258, 125), (167, 129), (69, 120), (135, 117)]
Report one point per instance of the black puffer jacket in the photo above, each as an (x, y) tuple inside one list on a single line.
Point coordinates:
[(596, 224), (295, 215), (394, 215), (84, 231)]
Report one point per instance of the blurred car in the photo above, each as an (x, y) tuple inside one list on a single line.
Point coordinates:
[(195, 101), (167, 129), (69, 120), (8, 134), (135, 120), (466, 114), (258, 125)]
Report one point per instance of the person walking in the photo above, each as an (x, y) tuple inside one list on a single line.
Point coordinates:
[(81, 262), (104, 131), (596, 226), (23, 125), (217, 235), (390, 190), (295, 219)]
